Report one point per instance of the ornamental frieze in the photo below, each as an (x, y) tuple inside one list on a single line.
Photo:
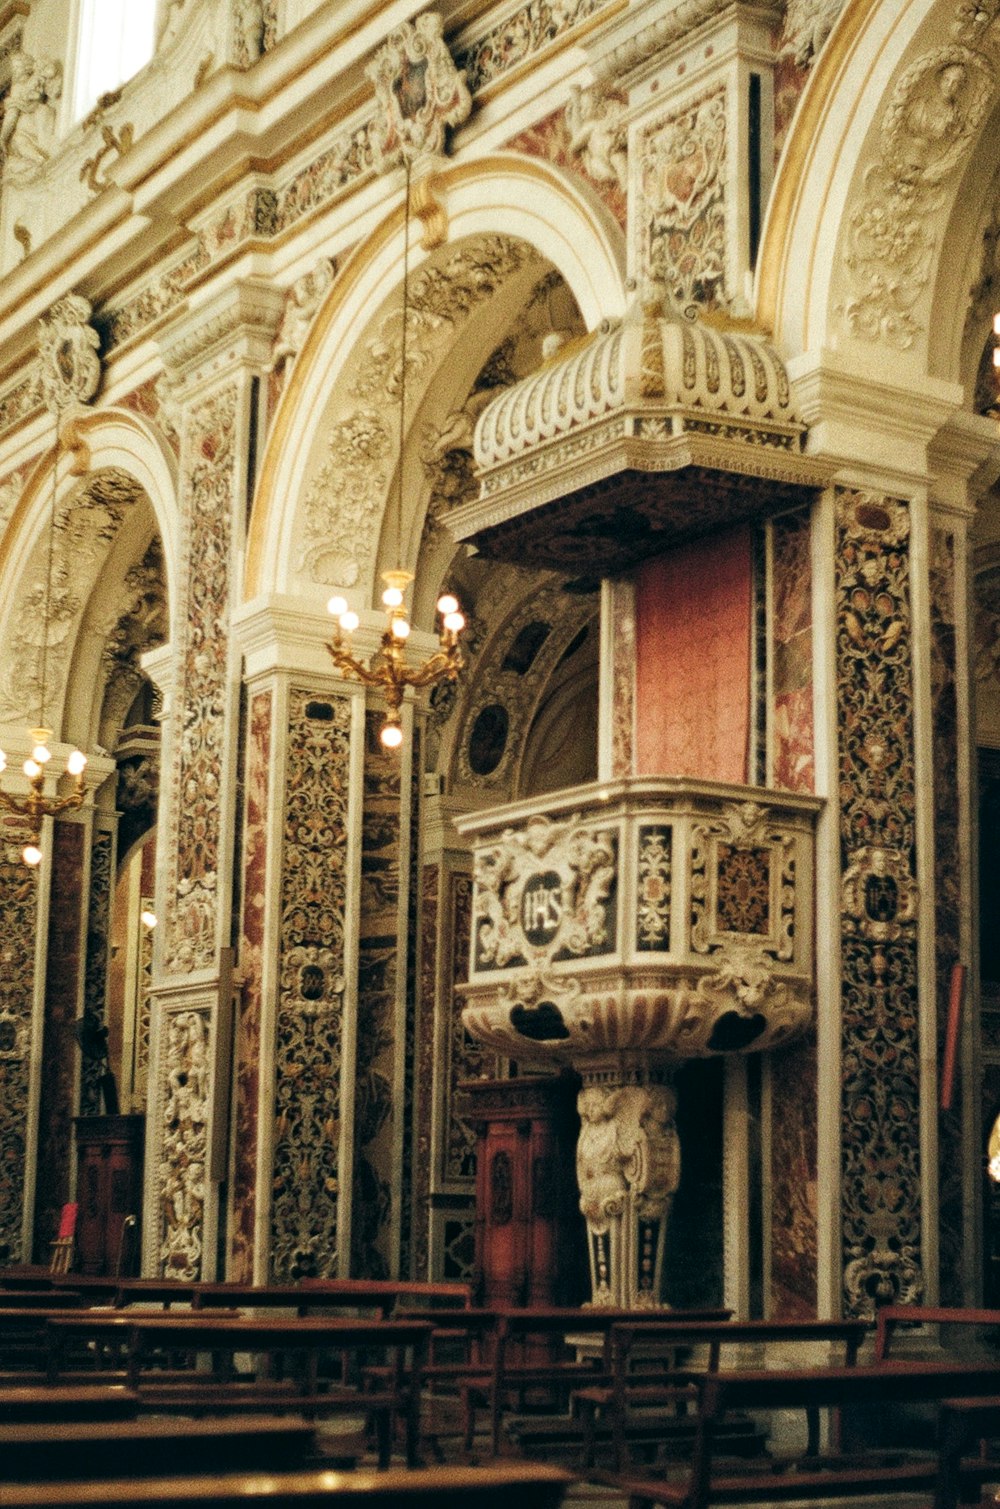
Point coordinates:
[(881, 1179), (184, 1145)]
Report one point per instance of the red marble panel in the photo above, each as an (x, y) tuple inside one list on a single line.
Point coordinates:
[(59, 1052), (693, 638), (248, 1026), (793, 1182), (793, 765)]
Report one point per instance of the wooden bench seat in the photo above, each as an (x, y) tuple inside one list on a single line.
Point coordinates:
[(290, 1353), (845, 1475), (962, 1424), (150, 1447), (67, 1402), (526, 1485)]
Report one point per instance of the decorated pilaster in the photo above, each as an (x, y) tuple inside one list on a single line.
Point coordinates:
[(214, 357), (292, 1169)]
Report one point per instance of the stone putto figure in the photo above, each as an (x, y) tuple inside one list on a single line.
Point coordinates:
[(28, 127)]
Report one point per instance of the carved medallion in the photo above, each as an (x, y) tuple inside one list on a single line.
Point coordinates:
[(69, 368), (420, 91)]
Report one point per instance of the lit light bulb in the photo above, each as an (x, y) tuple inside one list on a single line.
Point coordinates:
[(392, 597), (454, 622), (147, 918), (337, 606), (31, 854), (996, 324), (3, 762), (349, 622), (32, 769), (41, 754), (391, 735), (400, 628), (447, 604), (77, 762)]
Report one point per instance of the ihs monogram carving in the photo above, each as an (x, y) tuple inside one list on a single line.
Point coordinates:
[(420, 91), (545, 892), (69, 369), (184, 1146), (935, 111), (682, 180)]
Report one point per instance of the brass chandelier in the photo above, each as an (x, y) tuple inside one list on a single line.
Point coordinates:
[(389, 670), (36, 805)]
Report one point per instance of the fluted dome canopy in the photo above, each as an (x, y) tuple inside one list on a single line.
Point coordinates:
[(650, 430)]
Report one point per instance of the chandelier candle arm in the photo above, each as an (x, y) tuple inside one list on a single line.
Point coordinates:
[(388, 670), (36, 806)]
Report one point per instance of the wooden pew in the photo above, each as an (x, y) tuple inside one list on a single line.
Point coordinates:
[(889, 1319), (304, 1340), (960, 1475), (528, 1485), (531, 1351), (150, 1447), (67, 1402), (846, 1476), (376, 1296), (627, 1388), (95, 1344)]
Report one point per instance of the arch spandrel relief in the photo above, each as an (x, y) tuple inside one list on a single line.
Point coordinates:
[(87, 521)]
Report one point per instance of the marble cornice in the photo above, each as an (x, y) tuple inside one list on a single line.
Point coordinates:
[(237, 324), (632, 42), (874, 418)]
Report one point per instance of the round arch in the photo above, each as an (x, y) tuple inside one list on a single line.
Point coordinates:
[(827, 207), (96, 445), (519, 198)]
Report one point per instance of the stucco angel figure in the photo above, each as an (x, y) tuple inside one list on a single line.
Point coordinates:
[(598, 135), (304, 298), (28, 127)]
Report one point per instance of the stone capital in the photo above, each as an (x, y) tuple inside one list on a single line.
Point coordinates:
[(233, 329)]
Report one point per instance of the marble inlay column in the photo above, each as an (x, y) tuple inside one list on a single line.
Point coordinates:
[(790, 1076), (19, 904), (295, 1082), (882, 1207), (952, 901), (214, 358), (55, 1175)]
